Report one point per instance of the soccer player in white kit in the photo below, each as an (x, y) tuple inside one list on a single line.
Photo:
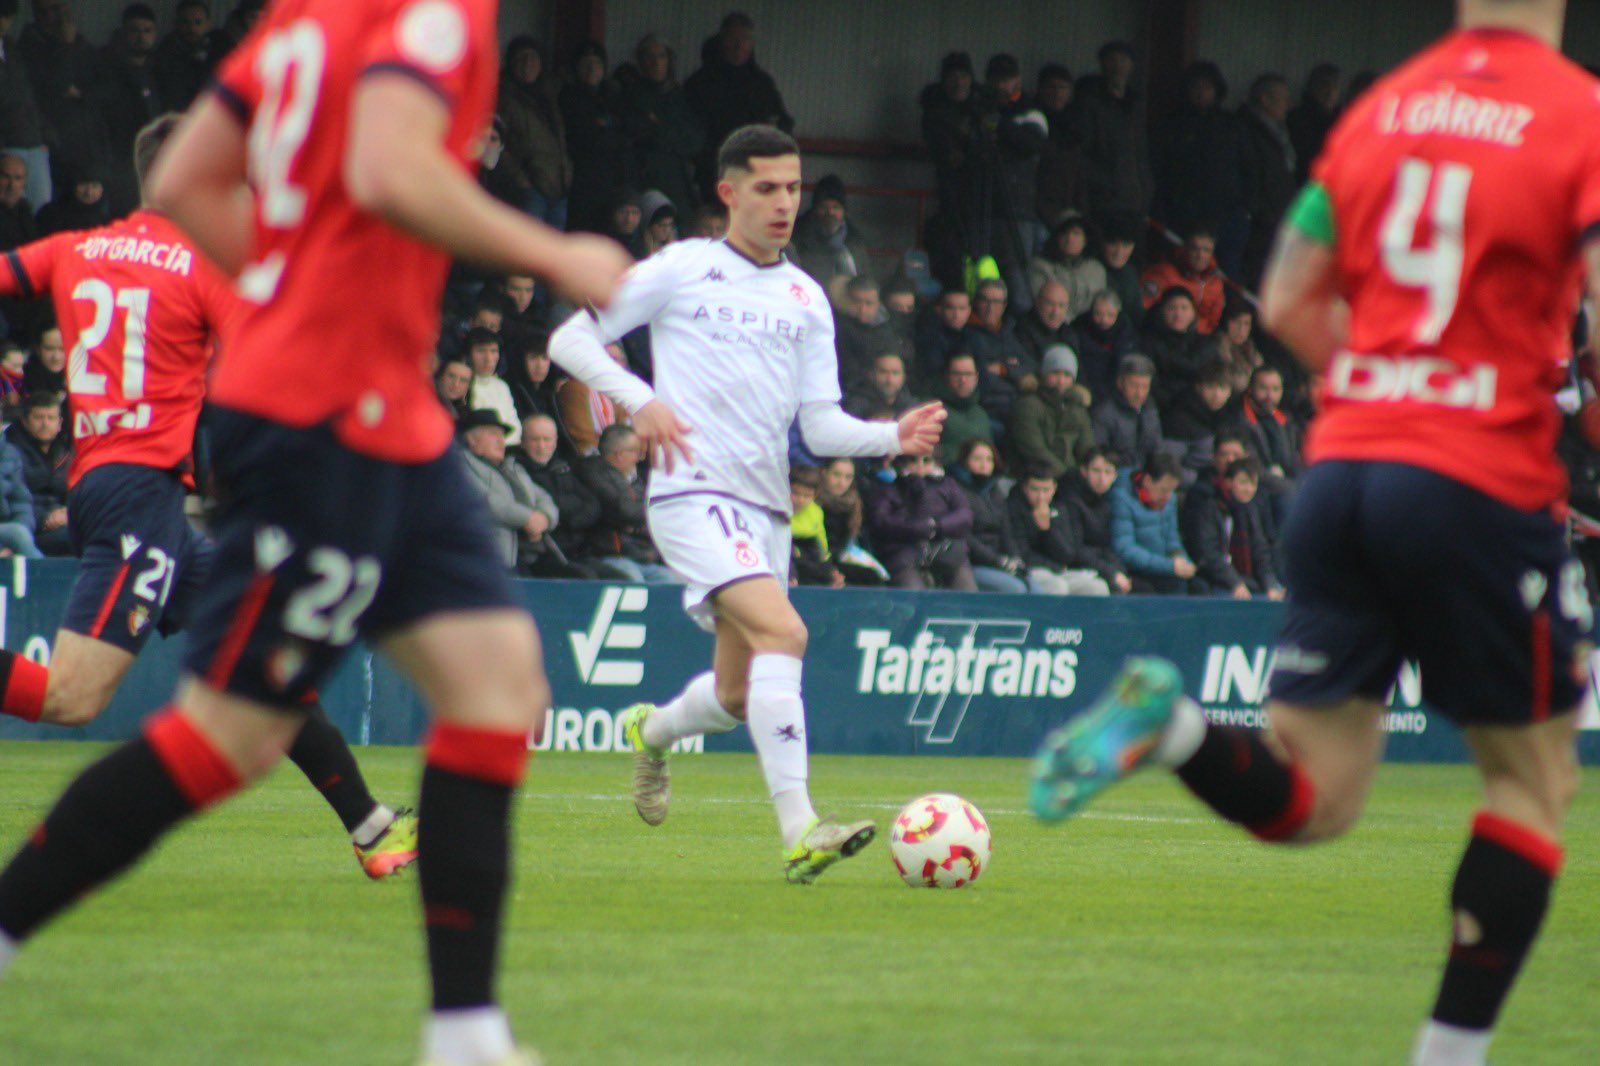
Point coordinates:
[(742, 341)]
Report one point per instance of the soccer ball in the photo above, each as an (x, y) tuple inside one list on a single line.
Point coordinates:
[(939, 841)]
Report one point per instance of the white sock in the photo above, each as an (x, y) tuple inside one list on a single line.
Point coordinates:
[(778, 731), (472, 1035), (372, 826), (694, 712), (1446, 1045), (1184, 734), (8, 951)]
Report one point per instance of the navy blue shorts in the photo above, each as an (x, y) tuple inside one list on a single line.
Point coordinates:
[(1388, 562), (318, 544), (142, 563)]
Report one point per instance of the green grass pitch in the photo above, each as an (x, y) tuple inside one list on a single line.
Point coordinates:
[(1144, 933)]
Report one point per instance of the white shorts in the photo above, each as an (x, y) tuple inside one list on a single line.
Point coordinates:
[(713, 541)]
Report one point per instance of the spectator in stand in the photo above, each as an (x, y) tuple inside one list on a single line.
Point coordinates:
[(1049, 428), (919, 525), (533, 392), (1121, 238), (810, 562), (1234, 346), (22, 130), (1008, 368), (886, 388), (576, 503), (620, 542), (1194, 267), (1200, 165), (586, 414), (1046, 325), (900, 304), (863, 332), (1110, 116), (1101, 336), (952, 124), (625, 223), (185, 61), (1062, 187), (1144, 527), (1313, 118), (241, 20), (942, 332), (1051, 546), (667, 135), (1126, 420), (1065, 260), (47, 370), (1170, 340), (731, 90), (1270, 169), (536, 135), (826, 245), (660, 223), (84, 208), (1015, 134), (842, 513), (65, 69), (1226, 535), (597, 140), (520, 512), (127, 96), (522, 322), (1277, 435), (965, 418), (996, 559), (46, 453), (17, 224), (710, 222), (452, 381), (17, 520), (13, 357), (488, 390), (1086, 497), (1197, 418)]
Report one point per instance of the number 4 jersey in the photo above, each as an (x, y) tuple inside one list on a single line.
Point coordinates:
[(1457, 193), (140, 312)]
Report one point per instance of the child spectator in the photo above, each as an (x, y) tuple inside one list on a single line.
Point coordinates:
[(1051, 547), (810, 562), (997, 564), (1086, 497), (1227, 536), (1144, 527)]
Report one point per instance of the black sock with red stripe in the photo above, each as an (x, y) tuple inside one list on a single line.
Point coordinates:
[(22, 685), (110, 816), (1241, 779), (328, 763), (464, 856), (1501, 892)]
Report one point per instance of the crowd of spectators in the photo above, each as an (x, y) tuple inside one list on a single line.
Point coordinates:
[(1116, 422)]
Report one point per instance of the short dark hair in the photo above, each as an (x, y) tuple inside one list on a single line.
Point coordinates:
[(149, 141), (478, 337), (1111, 48), (453, 360), (43, 398), (950, 359), (1264, 368), (184, 5), (1248, 465), (1002, 65), (805, 477), (737, 20), (1136, 365), (1201, 230), (889, 355), (492, 304), (1233, 436), (1162, 464), (753, 142), (861, 283), (972, 444), (613, 437), (1041, 472), (1213, 373), (1100, 451), (1265, 82), (956, 290), (1054, 72), (138, 11)]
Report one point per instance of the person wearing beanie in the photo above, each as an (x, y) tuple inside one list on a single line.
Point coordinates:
[(826, 244), (1049, 429)]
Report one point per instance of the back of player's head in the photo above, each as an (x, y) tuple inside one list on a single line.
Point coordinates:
[(753, 142), (147, 144)]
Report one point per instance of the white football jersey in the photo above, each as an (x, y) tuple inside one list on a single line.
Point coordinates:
[(737, 347)]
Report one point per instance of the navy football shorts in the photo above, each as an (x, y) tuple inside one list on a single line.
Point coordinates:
[(1388, 562), (142, 564), (318, 544)]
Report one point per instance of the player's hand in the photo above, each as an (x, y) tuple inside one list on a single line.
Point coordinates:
[(662, 433), (589, 268), (920, 428)]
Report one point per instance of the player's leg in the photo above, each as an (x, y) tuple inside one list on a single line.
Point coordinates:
[(384, 838), (73, 690), (1502, 887)]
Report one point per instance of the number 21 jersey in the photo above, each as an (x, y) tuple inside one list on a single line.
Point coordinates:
[(1462, 187), (343, 308)]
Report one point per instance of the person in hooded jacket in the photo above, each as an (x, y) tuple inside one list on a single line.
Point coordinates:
[(919, 524), (1102, 336), (1065, 260), (1172, 343), (731, 90), (597, 139), (535, 133), (667, 134), (1199, 162)]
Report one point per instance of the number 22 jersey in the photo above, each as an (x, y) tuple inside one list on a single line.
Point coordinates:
[(1461, 188)]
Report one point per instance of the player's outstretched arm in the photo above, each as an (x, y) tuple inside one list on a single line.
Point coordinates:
[(396, 166), (1300, 303), (827, 430), (199, 181)]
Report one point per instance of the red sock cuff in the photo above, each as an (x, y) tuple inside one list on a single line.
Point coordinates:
[(498, 756), (1517, 838), (24, 694), (1302, 797), (200, 771)]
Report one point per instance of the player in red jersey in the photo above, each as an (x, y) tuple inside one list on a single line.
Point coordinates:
[(1432, 270), (336, 147), (142, 311)]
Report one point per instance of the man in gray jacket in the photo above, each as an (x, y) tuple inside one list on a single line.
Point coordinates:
[(522, 511)]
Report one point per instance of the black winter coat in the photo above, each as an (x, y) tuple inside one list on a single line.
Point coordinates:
[(1207, 519), (577, 502), (1091, 517)]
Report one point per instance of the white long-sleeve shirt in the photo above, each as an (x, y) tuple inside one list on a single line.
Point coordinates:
[(740, 350)]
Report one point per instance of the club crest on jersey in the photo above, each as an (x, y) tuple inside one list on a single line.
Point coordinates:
[(138, 618), (800, 294), (745, 555), (284, 664), (273, 546), (130, 544)]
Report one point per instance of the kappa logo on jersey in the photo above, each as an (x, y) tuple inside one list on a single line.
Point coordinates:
[(273, 546), (605, 633), (799, 293), (715, 274)]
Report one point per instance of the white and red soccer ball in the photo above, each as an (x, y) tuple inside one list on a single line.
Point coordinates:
[(940, 841)]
